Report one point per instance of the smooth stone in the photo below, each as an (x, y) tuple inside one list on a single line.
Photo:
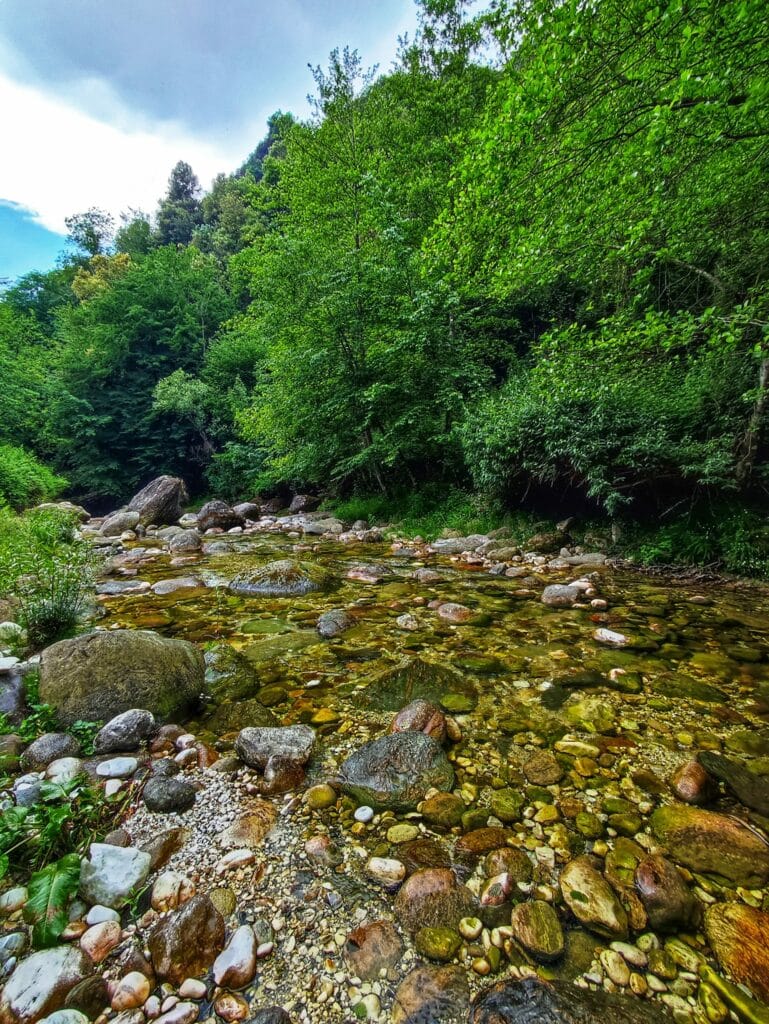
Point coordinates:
[(112, 874), (364, 814), (170, 890), (235, 966), (125, 731), (132, 991), (443, 810), (40, 984), (186, 942), (692, 784), (64, 770), (321, 797), (536, 926), (421, 716), (532, 1001), (256, 745), (749, 789), (433, 897), (164, 794), (97, 914), (668, 902), (592, 900), (372, 948), (560, 595), (437, 943), (51, 746), (543, 769), (739, 937), (283, 578), (100, 939), (395, 771), (117, 768)]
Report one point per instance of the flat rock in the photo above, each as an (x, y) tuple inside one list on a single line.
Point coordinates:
[(283, 578), (536, 926), (112, 874), (739, 937), (432, 995), (39, 985), (532, 1001), (255, 746), (592, 900), (186, 942), (371, 948), (712, 843), (395, 771), (751, 790)]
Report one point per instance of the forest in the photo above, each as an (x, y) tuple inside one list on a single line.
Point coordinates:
[(524, 268)]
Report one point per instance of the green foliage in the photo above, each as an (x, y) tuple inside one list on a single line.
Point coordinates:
[(24, 480), (50, 890), (47, 570)]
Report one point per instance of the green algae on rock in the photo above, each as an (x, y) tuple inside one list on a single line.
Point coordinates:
[(282, 578)]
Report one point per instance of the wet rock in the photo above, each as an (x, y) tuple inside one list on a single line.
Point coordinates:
[(438, 995), (184, 541), (678, 686), (453, 612), (283, 578), (40, 984), (47, 748), (413, 679), (509, 861), (751, 790), (536, 926), (421, 716), (99, 940), (371, 948), (669, 904), (89, 996), (235, 966), (234, 716), (433, 898), (480, 841), (171, 890), (126, 731), (164, 794), (543, 769), (592, 900), (170, 586), (560, 595), (132, 991), (112, 874), (218, 515), (304, 503), (282, 775), (531, 1001), (118, 523), (255, 746), (334, 622), (270, 1015), (692, 784), (161, 502), (458, 545), (423, 853), (739, 937), (443, 810), (99, 675), (251, 828), (386, 871), (186, 943), (507, 805), (437, 943), (395, 771), (320, 797), (712, 843)]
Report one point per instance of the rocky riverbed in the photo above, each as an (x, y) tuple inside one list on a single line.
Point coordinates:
[(395, 781)]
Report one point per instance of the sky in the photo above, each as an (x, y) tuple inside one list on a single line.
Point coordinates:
[(100, 98)]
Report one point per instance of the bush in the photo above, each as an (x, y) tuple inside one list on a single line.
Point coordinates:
[(47, 569), (24, 480), (234, 473)]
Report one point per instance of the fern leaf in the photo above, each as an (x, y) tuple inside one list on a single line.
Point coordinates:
[(49, 892)]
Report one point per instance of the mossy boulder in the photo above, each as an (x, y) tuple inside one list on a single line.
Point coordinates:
[(396, 771), (102, 674), (283, 578), (418, 679)]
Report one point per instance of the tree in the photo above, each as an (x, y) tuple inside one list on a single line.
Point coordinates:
[(92, 231), (179, 213), (135, 237)]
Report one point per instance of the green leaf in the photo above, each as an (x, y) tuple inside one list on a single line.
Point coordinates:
[(49, 893)]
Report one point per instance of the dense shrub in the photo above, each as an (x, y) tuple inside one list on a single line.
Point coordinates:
[(24, 480)]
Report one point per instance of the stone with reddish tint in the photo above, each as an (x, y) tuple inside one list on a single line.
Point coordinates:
[(433, 898), (431, 994), (187, 942), (476, 844), (692, 784), (670, 905), (421, 716), (371, 948), (739, 937)]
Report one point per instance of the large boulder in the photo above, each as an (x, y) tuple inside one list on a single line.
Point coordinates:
[(712, 843), (118, 523), (102, 674), (40, 984), (395, 771), (112, 874), (284, 578), (161, 502), (532, 1001), (218, 515)]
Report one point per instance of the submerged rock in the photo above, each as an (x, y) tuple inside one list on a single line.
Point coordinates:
[(750, 790), (104, 673), (395, 771), (536, 926), (334, 622), (739, 937), (712, 843), (371, 948), (532, 1001), (432, 995), (668, 902), (413, 679), (592, 900), (433, 898), (283, 578)]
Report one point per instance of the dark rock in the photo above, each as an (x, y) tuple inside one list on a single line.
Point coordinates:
[(185, 540), (669, 904), (543, 769), (164, 845), (739, 937), (334, 622), (218, 515), (270, 1015), (13, 697), (255, 746), (125, 731), (443, 810), (247, 509), (281, 775), (371, 948), (678, 686), (421, 716), (186, 942), (234, 716), (509, 861), (164, 795), (49, 747), (751, 790), (414, 679), (532, 1001), (161, 501), (166, 767), (423, 853), (284, 578), (692, 784), (546, 543), (90, 996), (536, 926), (712, 843), (99, 675), (480, 841), (396, 771), (433, 898), (303, 503), (432, 995)]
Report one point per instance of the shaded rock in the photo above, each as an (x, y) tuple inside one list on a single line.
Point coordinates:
[(560, 595), (751, 790), (48, 748), (547, 543), (13, 697), (395, 771), (592, 900), (163, 794), (509, 861), (187, 942), (371, 948), (112, 873), (255, 746), (739, 937), (423, 853), (444, 810), (531, 1001), (40, 984), (234, 716), (669, 904), (283, 578), (543, 769), (247, 509), (693, 689), (89, 996), (413, 679), (421, 716), (536, 926), (99, 675), (218, 515), (304, 503), (457, 545), (433, 898), (161, 502), (334, 622), (125, 731), (692, 784), (431, 995), (712, 843), (270, 1015), (118, 523)]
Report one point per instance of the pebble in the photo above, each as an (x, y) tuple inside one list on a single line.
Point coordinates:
[(117, 768), (364, 814), (192, 988), (387, 871), (616, 968)]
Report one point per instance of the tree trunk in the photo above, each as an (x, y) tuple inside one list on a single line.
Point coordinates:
[(747, 456)]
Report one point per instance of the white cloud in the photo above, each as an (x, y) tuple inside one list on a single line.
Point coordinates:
[(58, 160)]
